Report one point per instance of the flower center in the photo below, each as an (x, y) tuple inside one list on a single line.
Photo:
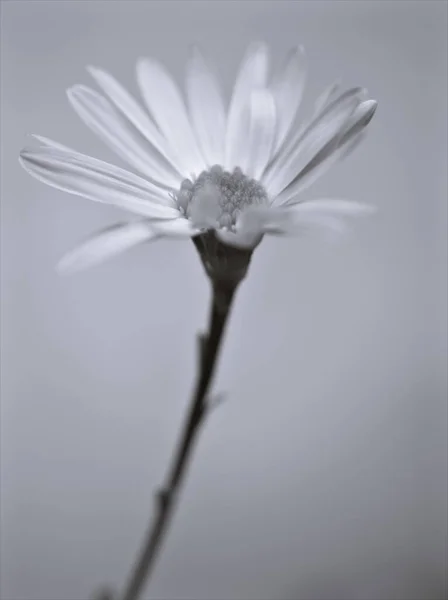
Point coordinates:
[(217, 197)]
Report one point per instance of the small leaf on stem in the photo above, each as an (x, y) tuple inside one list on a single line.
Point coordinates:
[(216, 400)]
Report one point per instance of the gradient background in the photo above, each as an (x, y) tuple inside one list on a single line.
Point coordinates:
[(323, 477)]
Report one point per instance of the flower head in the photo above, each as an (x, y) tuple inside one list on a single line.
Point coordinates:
[(208, 172)]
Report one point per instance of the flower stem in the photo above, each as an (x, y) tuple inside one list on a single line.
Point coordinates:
[(208, 349)]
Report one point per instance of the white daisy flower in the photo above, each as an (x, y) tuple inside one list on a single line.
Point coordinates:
[(227, 175)]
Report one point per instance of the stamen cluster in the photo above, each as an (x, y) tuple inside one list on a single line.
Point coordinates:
[(217, 197)]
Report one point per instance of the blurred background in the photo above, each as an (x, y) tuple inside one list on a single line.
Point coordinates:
[(323, 476)]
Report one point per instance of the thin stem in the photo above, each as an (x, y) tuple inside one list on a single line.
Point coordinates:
[(209, 344)]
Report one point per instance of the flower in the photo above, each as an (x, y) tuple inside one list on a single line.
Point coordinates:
[(205, 171)]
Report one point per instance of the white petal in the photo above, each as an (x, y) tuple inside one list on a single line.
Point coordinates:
[(287, 89), (250, 228), (105, 244), (297, 154), (325, 215), (154, 191), (240, 239), (334, 107), (324, 99), (344, 150), (252, 75), (336, 149), (167, 107), (102, 117), (313, 172), (206, 108), (327, 110), (261, 133), (315, 223), (93, 179), (360, 118), (321, 214), (333, 206), (180, 228), (135, 114), (52, 144)]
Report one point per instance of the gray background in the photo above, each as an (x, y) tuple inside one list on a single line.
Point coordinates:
[(323, 476)]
